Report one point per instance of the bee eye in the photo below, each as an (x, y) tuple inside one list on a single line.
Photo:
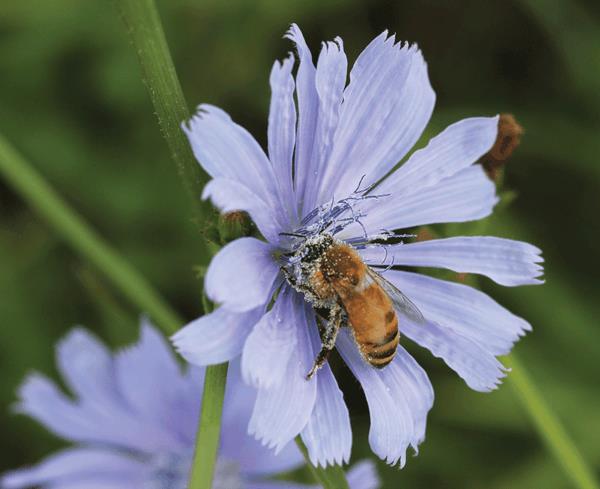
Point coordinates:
[(354, 279)]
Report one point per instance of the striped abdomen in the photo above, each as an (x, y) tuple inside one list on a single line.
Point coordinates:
[(373, 322)]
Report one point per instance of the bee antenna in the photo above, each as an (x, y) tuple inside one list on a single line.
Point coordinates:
[(386, 255), (390, 265), (363, 228), (295, 235), (357, 189)]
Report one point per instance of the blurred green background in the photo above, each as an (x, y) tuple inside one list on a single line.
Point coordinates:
[(72, 100)]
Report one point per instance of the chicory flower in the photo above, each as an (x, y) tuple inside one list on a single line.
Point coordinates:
[(331, 145), (133, 418)]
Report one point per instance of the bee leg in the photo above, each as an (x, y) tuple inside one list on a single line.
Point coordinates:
[(328, 333), (294, 283)]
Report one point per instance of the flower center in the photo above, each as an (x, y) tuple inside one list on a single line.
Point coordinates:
[(171, 471), (227, 475)]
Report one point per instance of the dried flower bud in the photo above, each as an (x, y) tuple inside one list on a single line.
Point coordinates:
[(509, 137)]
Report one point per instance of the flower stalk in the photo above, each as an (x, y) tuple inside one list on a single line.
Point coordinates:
[(145, 31), (209, 428), (147, 36)]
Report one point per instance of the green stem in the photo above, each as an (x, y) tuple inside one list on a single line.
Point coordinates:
[(209, 428), (145, 31), (331, 477), (147, 36), (73, 228), (549, 426)]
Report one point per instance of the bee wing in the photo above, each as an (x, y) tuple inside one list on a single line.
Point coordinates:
[(403, 304)]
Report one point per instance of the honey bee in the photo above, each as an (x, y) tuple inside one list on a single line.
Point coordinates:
[(347, 292)]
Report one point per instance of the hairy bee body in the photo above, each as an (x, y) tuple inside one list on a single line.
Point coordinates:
[(345, 291), (341, 275)]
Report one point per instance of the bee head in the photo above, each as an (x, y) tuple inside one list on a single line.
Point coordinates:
[(314, 248)]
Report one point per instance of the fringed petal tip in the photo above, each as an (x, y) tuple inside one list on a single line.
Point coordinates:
[(281, 68), (294, 34), (408, 47), (337, 44), (330, 461), (202, 111), (272, 444), (201, 118), (325, 456)]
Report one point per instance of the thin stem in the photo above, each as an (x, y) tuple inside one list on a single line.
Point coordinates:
[(73, 228), (550, 428), (148, 38), (331, 477), (145, 31), (209, 428)]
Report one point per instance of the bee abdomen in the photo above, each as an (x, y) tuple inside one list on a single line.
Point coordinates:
[(381, 354)]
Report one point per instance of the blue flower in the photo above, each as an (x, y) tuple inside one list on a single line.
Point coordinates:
[(133, 419), (329, 143)]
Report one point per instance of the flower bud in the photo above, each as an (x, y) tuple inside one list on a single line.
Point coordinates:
[(507, 140), (234, 225)]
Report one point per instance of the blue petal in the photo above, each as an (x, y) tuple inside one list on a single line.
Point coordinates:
[(241, 276), (330, 80), (475, 364), (269, 484), (456, 148), (478, 367), (87, 367), (81, 467), (281, 412), (250, 455), (363, 475), (151, 382), (399, 398), (96, 483), (270, 345), (328, 435), (468, 195), (225, 149), (101, 413), (463, 309), (505, 261), (282, 131), (308, 110), (387, 104), (216, 337)]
